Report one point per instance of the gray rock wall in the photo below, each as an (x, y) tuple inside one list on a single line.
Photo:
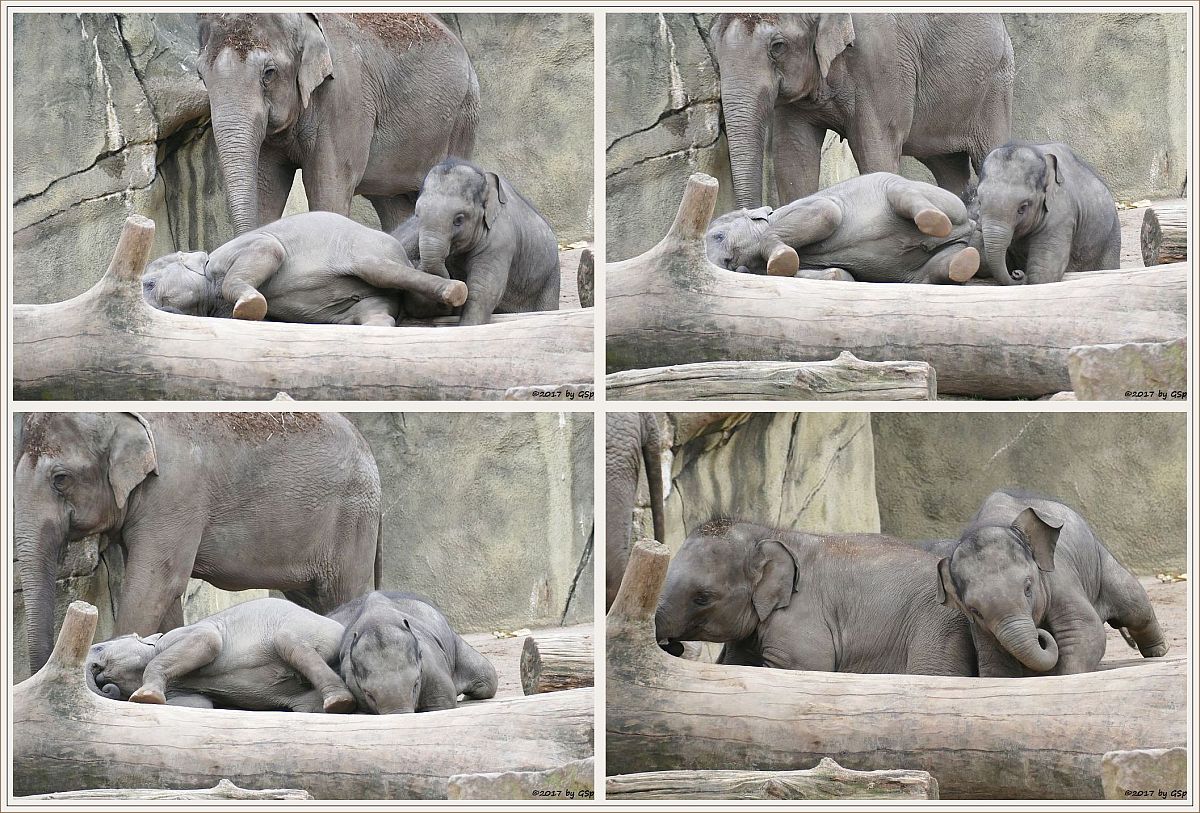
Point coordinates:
[(1114, 86), (1126, 473), (111, 118)]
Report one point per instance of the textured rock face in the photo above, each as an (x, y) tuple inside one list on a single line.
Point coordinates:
[(1145, 774), (1106, 372), (111, 118), (1126, 473)]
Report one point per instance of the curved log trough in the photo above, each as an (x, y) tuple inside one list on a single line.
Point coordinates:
[(109, 344), (67, 738), (980, 738), (671, 306)]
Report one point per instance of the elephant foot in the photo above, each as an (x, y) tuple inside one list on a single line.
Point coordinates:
[(454, 293), (933, 222), (339, 703), (252, 307), (964, 265), (1155, 650), (783, 262), (149, 695)]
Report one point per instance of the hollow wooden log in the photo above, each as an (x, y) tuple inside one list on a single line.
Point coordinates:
[(573, 781), (108, 343), (981, 738), (222, 790), (826, 781), (1164, 233), (67, 738), (586, 278), (672, 306), (551, 663), (845, 378)]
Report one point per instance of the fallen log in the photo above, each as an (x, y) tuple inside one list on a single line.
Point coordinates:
[(67, 738), (826, 781), (845, 378), (1164, 233), (109, 344), (981, 738), (585, 279), (575, 780), (551, 663), (672, 306), (222, 790)]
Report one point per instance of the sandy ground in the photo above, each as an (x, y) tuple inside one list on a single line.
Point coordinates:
[(505, 654), (1131, 234), (1170, 605)]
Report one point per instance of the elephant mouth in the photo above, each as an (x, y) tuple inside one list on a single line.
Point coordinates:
[(671, 647)]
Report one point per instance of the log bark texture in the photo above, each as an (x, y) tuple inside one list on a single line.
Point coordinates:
[(981, 738), (222, 790), (826, 781), (551, 663), (1164, 233), (572, 781), (845, 378), (672, 306), (586, 278), (67, 738), (109, 344)]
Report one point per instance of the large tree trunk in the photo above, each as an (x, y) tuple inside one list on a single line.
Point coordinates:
[(109, 344), (1164, 233), (551, 663), (671, 306), (67, 738), (222, 790), (980, 738)]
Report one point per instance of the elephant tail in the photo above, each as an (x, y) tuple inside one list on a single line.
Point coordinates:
[(379, 556)]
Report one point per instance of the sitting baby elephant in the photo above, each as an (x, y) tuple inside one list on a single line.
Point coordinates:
[(399, 655), (878, 228), (471, 225), (1037, 587), (1042, 211), (261, 655), (315, 267), (830, 603)]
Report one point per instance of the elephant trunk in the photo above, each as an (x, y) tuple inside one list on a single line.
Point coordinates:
[(38, 542), (434, 248), (996, 239), (666, 633), (1034, 647), (239, 132), (746, 106)]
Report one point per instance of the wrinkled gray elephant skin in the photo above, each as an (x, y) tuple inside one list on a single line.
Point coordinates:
[(284, 501), (1042, 211), (1037, 587), (629, 437), (399, 655), (937, 87), (472, 225), (828, 603), (261, 655), (359, 103), (878, 228), (315, 267)]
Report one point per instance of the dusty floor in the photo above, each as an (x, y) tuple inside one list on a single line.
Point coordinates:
[(505, 654)]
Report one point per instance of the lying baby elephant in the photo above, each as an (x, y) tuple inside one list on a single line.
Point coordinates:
[(878, 228), (266, 654), (315, 267), (399, 655), (1037, 586), (473, 226), (830, 603)]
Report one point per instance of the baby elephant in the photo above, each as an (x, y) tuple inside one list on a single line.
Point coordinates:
[(399, 655), (1043, 211), (471, 225), (1037, 586), (266, 654), (878, 228), (830, 603), (315, 267)]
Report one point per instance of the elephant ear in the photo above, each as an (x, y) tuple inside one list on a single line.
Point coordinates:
[(761, 214), (835, 32), (316, 64), (131, 455), (1041, 532), (772, 576), (1054, 179), (494, 200), (947, 592)]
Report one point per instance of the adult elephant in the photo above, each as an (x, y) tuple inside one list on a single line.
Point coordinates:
[(288, 501), (937, 87), (629, 437), (361, 103)]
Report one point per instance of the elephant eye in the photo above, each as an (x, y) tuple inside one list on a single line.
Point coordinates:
[(1028, 589), (777, 48), (1023, 208), (60, 480), (459, 219), (702, 599), (719, 237), (268, 74)]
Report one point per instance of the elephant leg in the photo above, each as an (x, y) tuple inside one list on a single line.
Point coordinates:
[(1049, 254), (913, 203), (955, 263), (487, 280), (952, 171), (192, 649), (438, 691), (157, 568), (1128, 609), (373, 311), (330, 180), (312, 702), (393, 209), (799, 224), (994, 660), (1079, 632), (876, 142), (474, 675), (251, 268), (739, 653), (276, 174), (797, 144), (385, 273), (189, 700), (336, 698), (173, 617)]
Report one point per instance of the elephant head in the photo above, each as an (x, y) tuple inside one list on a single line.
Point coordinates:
[(734, 240), (177, 283), (1017, 188), (458, 204), (75, 475), (114, 668), (996, 577), (261, 71), (721, 588), (381, 659), (767, 60)]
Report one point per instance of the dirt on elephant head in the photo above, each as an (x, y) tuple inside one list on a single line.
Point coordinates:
[(234, 31), (399, 29), (261, 425), (751, 21), (36, 440), (717, 526)]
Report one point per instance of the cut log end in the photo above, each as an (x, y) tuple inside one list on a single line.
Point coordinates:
[(632, 612), (74, 641), (585, 278), (695, 210), (553, 663), (133, 250), (1164, 233)]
